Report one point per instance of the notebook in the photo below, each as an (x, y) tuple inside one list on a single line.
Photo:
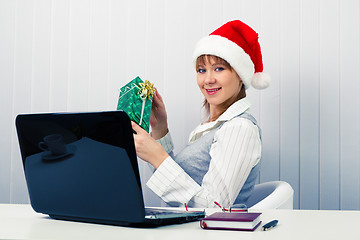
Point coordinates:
[(83, 167), (242, 221)]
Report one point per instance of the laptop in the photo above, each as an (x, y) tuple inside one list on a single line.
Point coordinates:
[(83, 167)]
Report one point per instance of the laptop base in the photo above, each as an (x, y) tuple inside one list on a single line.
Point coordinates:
[(148, 223)]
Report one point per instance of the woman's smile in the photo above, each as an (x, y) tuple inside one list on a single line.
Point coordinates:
[(212, 91)]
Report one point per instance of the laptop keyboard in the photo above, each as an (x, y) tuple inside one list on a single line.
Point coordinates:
[(157, 211), (152, 213)]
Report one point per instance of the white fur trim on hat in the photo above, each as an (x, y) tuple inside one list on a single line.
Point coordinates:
[(230, 52), (261, 80)]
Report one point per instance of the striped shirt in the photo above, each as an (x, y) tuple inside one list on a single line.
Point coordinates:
[(235, 150)]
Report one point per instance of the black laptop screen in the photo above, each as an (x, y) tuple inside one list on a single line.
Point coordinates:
[(112, 128)]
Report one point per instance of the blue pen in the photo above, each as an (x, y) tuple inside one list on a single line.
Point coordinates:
[(270, 225)]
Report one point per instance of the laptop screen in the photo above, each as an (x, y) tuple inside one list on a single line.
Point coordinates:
[(112, 128), (81, 165)]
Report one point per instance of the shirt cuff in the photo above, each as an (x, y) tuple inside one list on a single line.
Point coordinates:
[(171, 183), (167, 143), (164, 176)]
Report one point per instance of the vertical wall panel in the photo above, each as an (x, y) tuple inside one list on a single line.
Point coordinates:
[(117, 50), (194, 97), (349, 105), (212, 15), (41, 57), (289, 102), (79, 55), (59, 56), (329, 105), (154, 41), (23, 72), (98, 62), (251, 15), (174, 71), (309, 105), (135, 35), (270, 102), (231, 10), (7, 39)]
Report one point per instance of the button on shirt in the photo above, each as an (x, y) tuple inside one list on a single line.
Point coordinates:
[(235, 150)]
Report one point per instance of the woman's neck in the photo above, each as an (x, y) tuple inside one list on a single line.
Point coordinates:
[(215, 114), (216, 111)]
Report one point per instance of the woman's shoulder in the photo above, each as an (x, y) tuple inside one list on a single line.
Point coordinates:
[(235, 130), (241, 120), (238, 123)]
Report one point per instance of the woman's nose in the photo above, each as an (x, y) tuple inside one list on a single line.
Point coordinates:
[(209, 78)]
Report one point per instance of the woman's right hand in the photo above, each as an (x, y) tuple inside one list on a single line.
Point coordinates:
[(158, 117)]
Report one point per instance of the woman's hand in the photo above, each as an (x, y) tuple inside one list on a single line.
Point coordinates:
[(158, 117), (147, 148)]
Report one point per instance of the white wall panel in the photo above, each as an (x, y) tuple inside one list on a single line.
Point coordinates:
[(22, 89), (329, 105), (231, 10), (212, 15), (270, 102), (98, 55), (309, 104), (251, 14), (194, 98), (349, 105), (41, 56), (79, 55), (59, 55), (63, 55), (7, 42), (117, 50), (289, 100), (175, 86)]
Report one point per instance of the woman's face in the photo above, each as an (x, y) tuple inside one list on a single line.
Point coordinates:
[(218, 82)]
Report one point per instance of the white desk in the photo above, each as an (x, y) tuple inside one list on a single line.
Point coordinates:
[(21, 222)]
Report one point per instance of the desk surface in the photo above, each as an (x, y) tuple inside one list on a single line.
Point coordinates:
[(21, 222)]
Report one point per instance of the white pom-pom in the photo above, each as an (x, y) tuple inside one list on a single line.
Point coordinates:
[(261, 80)]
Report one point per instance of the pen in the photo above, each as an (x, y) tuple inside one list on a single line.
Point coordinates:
[(270, 225)]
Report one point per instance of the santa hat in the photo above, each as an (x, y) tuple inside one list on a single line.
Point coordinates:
[(238, 44)]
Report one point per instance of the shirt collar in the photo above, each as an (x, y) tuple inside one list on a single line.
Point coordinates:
[(234, 110)]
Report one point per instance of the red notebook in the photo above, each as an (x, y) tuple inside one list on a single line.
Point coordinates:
[(231, 221)]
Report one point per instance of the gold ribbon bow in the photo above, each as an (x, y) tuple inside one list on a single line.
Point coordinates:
[(146, 90)]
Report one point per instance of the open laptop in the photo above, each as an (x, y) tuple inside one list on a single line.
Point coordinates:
[(83, 167)]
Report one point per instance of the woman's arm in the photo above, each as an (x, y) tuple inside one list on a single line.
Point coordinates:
[(236, 149), (147, 148), (158, 117)]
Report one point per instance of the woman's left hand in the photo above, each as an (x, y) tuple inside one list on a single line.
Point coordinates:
[(147, 148)]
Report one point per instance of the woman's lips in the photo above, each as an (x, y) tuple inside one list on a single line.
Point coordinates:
[(212, 91)]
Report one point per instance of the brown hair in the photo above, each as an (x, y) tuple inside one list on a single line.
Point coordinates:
[(202, 60)]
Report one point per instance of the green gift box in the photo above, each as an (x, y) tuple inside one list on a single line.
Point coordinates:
[(135, 99)]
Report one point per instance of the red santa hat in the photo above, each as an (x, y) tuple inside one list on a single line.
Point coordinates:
[(238, 44)]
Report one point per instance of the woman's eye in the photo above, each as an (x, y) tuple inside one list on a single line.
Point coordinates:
[(200, 70), (219, 69)]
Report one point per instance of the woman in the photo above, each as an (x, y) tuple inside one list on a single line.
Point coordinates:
[(221, 162)]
